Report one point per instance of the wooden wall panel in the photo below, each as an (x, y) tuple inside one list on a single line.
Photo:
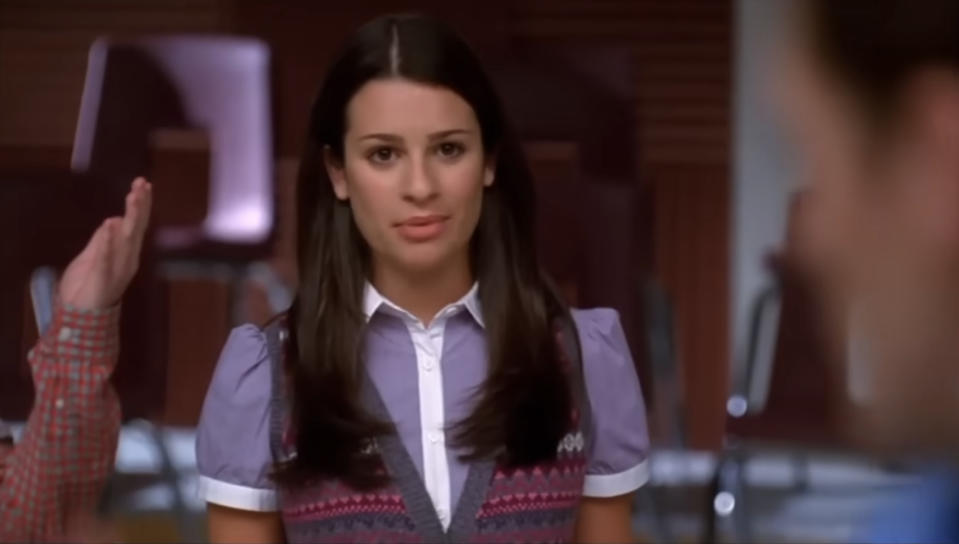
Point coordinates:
[(691, 251)]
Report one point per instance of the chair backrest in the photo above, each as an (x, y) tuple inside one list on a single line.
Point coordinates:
[(751, 390), (215, 83), (792, 389)]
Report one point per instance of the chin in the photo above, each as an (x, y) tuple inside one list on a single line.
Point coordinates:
[(423, 258)]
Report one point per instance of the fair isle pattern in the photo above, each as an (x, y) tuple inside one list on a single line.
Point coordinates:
[(537, 504), (572, 442), (334, 512)]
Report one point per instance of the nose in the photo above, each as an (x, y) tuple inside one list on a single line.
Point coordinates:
[(420, 185)]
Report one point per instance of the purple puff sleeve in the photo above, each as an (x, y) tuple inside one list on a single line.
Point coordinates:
[(620, 446), (233, 437)]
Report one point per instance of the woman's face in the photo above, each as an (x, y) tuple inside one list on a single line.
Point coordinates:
[(881, 227), (413, 171)]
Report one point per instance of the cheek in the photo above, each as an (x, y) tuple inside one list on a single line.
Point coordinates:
[(371, 202), (464, 193)]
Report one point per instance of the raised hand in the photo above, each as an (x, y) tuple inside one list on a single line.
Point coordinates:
[(99, 275)]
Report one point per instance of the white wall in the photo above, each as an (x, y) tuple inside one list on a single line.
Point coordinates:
[(761, 177)]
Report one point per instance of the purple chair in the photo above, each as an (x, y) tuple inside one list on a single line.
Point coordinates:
[(213, 83)]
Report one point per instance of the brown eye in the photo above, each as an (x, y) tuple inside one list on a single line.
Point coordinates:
[(382, 155), (450, 150)]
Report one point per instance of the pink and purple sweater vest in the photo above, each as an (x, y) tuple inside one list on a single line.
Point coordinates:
[(498, 504)]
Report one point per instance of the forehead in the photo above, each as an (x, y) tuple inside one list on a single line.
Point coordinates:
[(404, 107)]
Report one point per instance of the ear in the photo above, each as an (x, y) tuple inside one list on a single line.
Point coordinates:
[(489, 170), (337, 173)]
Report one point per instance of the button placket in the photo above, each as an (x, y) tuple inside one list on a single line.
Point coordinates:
[(435, 456)]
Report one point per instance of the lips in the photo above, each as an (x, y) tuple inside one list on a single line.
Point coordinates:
[(422, 228), (423, 220)]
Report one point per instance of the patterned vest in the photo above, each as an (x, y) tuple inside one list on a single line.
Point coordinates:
[(498, 504)]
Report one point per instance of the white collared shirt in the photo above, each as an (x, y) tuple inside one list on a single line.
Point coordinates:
[(428, 343), (235, 458)]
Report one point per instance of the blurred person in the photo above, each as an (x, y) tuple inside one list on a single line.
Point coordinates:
[(428, 383), (870, 93), (51, 480)]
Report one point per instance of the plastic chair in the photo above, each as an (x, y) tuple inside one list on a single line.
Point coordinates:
[(726, 493), (214, 83), (787, 400)]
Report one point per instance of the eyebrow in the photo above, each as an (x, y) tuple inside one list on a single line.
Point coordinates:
[(432, 137), (447, 133)]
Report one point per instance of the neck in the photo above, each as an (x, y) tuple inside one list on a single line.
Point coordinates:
[(424, 294)]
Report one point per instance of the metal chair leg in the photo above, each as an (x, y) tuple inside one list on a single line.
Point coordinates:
[(649, 500), (710, 532), (169, 474), (741, 516)]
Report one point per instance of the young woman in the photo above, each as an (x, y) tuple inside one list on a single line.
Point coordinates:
[(428, 384)]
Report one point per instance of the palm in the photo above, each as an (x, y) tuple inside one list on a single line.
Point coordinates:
[(97, 277)]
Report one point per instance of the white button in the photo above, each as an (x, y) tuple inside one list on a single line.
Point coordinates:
[(65, 333), (435, 436), (428, 365), (441, 512), (58, 403)]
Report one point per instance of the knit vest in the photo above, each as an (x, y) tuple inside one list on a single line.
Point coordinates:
[(498, 504)]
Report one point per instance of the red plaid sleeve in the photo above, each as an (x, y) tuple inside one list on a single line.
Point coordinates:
[(69, 444)]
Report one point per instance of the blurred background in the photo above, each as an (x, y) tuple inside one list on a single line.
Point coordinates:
[(665, 193)]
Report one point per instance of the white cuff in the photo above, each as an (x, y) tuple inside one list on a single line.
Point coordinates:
[(621, 483), (236, 496)]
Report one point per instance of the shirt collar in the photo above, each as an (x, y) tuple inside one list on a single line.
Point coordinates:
[(373, 302)]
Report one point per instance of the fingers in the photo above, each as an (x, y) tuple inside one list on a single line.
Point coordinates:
[(102, 271), (134, 225), (78, 272), (137, 214), (105, 255)]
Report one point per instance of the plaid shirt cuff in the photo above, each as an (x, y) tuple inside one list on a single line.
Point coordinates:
[(83, 335), (68, 446)]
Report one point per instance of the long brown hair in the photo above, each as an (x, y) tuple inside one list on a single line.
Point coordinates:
[(522, 410)]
